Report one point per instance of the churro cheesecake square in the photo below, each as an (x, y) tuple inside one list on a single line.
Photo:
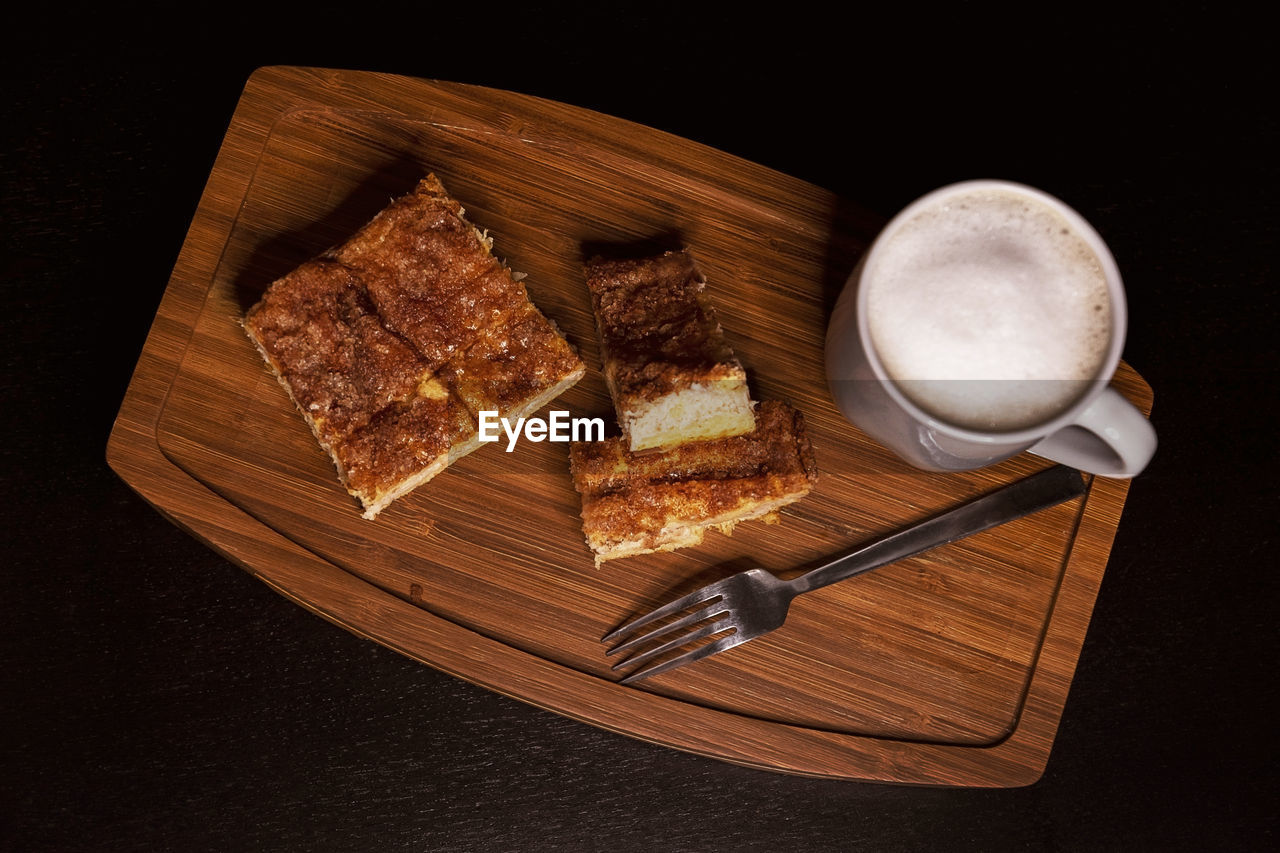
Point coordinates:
[(382, 341), (373, 403), (671, 373), (660, 501)]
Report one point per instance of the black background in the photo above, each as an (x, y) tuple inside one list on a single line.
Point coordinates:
[(155, 697)]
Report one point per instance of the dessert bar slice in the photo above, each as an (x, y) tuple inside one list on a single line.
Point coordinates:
[(644, 503), (672, 375), (386, 342)]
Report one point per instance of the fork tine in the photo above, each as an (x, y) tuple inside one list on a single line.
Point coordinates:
[(688, 657), (698, 596), (677, 642), (710, 611)]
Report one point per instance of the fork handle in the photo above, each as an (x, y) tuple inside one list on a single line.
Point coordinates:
[(1039, 491)]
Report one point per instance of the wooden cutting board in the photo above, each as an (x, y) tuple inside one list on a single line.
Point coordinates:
[(951, 668)]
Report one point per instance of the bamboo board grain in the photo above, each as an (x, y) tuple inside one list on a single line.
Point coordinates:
[(951, 668)]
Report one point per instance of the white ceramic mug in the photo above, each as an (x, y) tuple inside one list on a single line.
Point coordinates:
[(964, 334)]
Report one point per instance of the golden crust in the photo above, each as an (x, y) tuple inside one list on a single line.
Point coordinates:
[(385, 341), (317, 328), (643, 503), (510, 370), (401, 442), (430, 273)]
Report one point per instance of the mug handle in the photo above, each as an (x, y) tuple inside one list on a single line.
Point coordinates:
[(1110, 437)]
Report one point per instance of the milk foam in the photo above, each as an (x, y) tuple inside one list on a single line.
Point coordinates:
[(989, 310)]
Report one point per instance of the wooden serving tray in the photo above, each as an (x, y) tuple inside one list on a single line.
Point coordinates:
[(951, 668)]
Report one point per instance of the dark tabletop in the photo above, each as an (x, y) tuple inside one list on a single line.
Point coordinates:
[(155, 697)]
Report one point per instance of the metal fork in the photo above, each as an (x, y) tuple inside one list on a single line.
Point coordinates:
[(755, 602)]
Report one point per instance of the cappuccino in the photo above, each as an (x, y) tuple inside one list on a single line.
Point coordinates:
[(989, 310)]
